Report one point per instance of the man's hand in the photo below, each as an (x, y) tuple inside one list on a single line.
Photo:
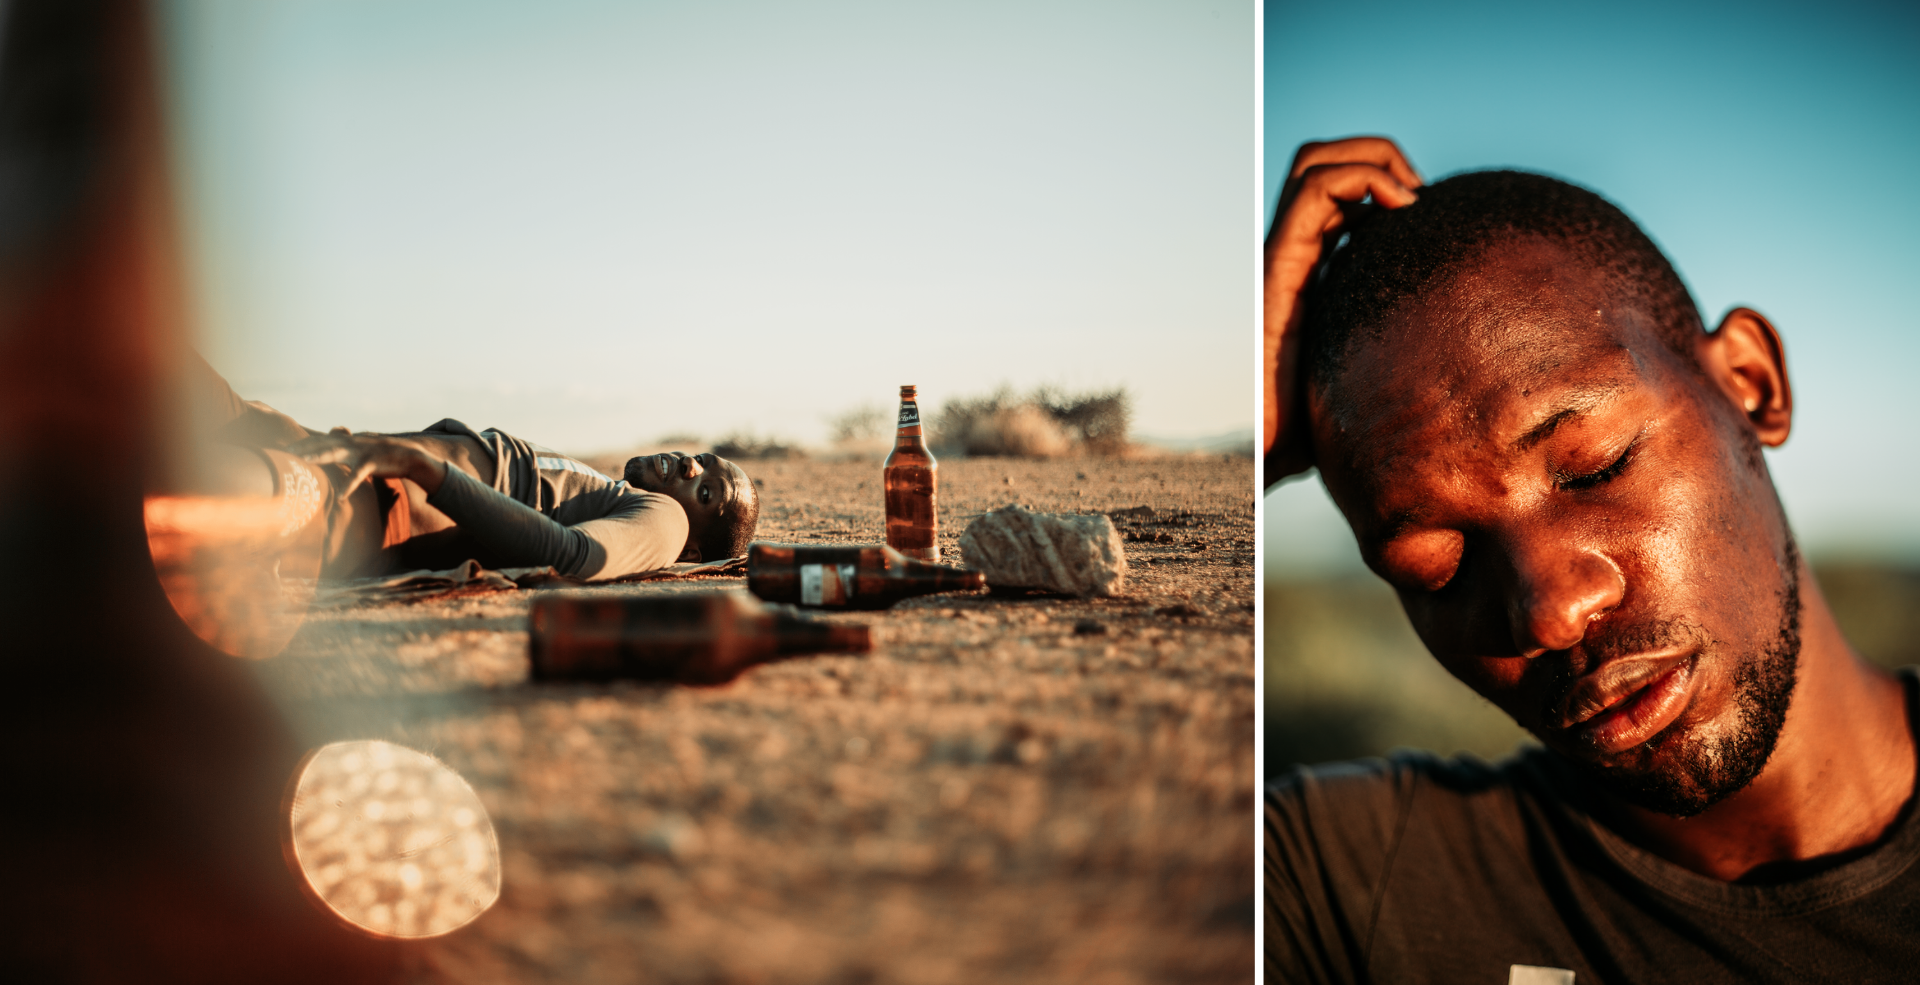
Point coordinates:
[(1323, 176), (372, 456)]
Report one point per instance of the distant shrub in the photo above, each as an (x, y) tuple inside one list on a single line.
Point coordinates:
[(748, 446), (1100, 420), (1047, 423), (868, 423)]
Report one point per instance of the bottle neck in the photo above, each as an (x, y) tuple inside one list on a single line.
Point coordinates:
[(910, 428), (798, 634), (949, 578)]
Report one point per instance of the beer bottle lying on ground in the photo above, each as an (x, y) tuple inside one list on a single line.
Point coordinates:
[(690, 638), (848, 576), (913, 522)]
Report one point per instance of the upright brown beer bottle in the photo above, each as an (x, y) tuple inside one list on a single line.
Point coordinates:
[(913, 528), (852, 576), (691, 637)]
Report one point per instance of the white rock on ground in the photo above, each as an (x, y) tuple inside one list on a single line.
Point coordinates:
[(1074, 554)]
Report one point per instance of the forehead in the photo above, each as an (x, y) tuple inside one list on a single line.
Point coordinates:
[(1471, 364), (742, 487)]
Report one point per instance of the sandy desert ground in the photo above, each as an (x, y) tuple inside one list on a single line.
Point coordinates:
[(1007, 789)]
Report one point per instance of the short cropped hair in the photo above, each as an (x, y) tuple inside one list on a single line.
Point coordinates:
[(730, 533), (1392, 256)]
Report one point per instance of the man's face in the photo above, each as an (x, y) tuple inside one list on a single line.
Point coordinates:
[(705, 485), (1578, 524)]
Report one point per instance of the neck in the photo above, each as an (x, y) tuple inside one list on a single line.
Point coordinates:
[(1839, 775)]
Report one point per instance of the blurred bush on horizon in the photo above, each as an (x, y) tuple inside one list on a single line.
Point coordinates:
[(1045, 423), (1346, 677)]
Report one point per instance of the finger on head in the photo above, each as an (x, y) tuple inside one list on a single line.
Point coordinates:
[(1317, 209), (1380, 152), (1353, 182)]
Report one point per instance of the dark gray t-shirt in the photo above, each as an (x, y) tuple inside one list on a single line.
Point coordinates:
[(1416, 869)]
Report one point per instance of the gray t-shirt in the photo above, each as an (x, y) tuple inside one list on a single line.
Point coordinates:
[(546, 508), (1416, 868)]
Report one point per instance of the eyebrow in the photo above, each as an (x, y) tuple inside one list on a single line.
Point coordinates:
[(730, 488), (1578, 404)]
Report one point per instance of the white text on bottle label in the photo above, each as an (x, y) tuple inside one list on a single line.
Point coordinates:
[(826, 584)]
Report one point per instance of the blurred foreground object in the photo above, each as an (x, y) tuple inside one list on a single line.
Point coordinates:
[(911, 474), (391, 840), (852, 577), (1073, 554), (692, 638), (139, 838), (229, 564)]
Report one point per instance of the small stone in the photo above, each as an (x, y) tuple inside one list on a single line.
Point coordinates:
[(1073, 554), (673, 834), (1089, 627)]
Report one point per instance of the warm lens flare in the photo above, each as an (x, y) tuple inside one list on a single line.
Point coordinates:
[(240, 569), (391, 840)]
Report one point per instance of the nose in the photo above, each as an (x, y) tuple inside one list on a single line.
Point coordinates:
[(693, 469), (1557, 594)]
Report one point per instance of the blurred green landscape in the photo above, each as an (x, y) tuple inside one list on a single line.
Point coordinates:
[(1347, 677)]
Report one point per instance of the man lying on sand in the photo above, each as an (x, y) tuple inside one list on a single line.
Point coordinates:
[(436, 498), (1511, 397)]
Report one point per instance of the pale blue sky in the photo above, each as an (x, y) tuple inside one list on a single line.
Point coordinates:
[(1769, 149), (597, 223)]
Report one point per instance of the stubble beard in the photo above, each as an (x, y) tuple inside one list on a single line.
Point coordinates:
[(1681, 774)]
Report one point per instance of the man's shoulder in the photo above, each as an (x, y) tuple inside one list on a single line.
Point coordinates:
[(1354, 846), (1345, 820), (1363, 787)]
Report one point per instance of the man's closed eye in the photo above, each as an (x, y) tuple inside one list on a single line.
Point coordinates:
[(1605, 475)]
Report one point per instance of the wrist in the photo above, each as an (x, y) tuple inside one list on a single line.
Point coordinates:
[(427, 472)]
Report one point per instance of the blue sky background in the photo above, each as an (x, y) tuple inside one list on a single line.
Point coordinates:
[(596, 223), (1770, 149)]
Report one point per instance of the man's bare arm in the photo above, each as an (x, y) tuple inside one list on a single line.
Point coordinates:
[(1323, 176), (628, 531), (376, 456)]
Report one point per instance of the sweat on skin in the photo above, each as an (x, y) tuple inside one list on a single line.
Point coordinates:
[(1514, 404)]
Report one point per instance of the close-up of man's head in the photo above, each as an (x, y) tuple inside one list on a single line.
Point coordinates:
[(1513, 400), (722, 506)]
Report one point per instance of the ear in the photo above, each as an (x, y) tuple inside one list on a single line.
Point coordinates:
[(1745, 359), (691, 552)]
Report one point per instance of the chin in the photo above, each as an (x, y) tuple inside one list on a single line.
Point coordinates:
[(1690, 766)]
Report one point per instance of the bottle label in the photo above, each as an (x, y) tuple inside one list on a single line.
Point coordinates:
[(826, 584), (909, 414)]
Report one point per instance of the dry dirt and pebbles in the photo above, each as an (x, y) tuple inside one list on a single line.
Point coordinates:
[(1007, 789)]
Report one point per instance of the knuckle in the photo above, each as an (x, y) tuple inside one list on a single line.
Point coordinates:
[(1322, 175), (1319, 174)]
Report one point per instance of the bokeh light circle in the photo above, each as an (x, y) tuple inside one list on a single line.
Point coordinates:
[(391, 840)]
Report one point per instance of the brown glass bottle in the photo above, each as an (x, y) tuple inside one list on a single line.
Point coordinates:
[(691, 638), (852, 576), (913, 523)]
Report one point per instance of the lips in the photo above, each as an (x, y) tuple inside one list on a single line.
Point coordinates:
[(1625, 702)]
